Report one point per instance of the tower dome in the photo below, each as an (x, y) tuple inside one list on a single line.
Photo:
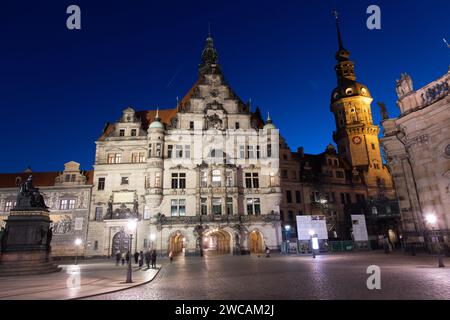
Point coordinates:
[(269, 125), (156, 124)]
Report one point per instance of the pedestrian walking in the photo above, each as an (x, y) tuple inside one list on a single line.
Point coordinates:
[(141, 259), (171, 256), (148, 258), (267, 252), (118, 256), (123, 258), (153, 259), (136, 257)]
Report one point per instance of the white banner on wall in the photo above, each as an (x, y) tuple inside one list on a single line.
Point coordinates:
[(359, 227), (316, 223), (78, 224)]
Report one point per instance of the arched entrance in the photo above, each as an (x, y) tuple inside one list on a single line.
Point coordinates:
[(120, 243), (217, 241), (255, 242), (176, 243)]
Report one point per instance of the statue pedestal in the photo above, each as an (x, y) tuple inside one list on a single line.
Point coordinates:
[(26, 243)]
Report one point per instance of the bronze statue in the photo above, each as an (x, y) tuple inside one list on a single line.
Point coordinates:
[(384, 113), (29, 196)]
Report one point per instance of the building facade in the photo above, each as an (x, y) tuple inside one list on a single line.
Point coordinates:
[(349, 180), (201, 176), (68, 196), (417, 147)]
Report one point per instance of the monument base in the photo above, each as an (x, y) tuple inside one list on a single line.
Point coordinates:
[(26, 263), (26, 244)]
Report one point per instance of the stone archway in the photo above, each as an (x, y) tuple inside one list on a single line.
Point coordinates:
[(217, 241), (177, 242), (120, 243), (255, 242)]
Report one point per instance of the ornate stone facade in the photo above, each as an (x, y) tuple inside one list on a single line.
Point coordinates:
[(417, 147), (67, 195), (207, 165)]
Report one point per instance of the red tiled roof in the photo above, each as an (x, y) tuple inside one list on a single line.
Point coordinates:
[(148, 116), (40, 179)]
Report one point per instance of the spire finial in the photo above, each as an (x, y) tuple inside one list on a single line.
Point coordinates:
[(157, 118), (268, 117), (336, 15), (209, 29)]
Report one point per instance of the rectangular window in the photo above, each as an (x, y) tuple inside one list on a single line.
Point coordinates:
[(269, 150), (236, 125), (178, 207), (8, 206), (146, 212), (217, 206), (67, 179), (121, 133), (73, 177), (64, 204), (258, 153), (182, 207), (98, 214), (133, 132), (191, 125), (251, 180), (288, 196), (182, 181), (179, 152), (111, 159), (241, 152), (298, 198), (216, 178), (72, 204), (187, 151), (229, 205), (342, 198), (203, 207), (340, 174), (272, 179), (253, 206), (250, 154), (134, 157), (158, 149), (229, 178), (204, 179), (141, 157), (174, 207), (101, 184), (169, 151), (174, 180), (150, 150), (157, 180), (373, 146), (124, 181), (250, 207)]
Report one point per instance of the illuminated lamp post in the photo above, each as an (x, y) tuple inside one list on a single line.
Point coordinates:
[(132, 224), (431, 219), (314, 242), (78, 243)]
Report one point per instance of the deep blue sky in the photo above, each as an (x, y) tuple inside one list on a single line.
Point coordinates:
[(59, 87)]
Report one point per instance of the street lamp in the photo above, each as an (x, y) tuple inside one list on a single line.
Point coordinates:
[(314, 242), (287, 235), (131, 225), (432, 221), (78, 243), (152, 238)]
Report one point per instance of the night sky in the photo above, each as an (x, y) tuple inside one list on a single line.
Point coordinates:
[(59, 87)]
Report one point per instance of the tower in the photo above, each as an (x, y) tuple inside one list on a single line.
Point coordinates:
[(356, 135)]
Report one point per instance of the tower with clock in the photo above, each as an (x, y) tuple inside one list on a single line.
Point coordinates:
[(356, 135)]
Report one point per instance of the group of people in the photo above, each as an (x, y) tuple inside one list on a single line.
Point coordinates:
[(149, 257)]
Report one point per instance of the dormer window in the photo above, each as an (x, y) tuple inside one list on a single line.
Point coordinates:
[(121, 133), (133, 132)]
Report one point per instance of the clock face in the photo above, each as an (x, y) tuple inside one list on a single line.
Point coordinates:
[(357, 140)]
